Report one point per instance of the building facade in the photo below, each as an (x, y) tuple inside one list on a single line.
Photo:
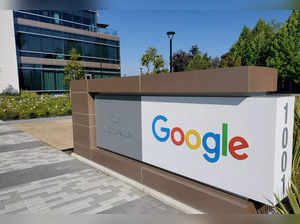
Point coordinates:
[(37, 46)]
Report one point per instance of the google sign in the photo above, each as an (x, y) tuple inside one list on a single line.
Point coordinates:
[(235, 144), (242, 145)]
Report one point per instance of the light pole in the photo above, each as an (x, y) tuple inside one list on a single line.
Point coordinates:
[(171, 35)]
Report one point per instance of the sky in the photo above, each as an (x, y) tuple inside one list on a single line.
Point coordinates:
[(214, 31)]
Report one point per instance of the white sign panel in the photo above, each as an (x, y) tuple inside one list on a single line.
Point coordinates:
[(242, 145)]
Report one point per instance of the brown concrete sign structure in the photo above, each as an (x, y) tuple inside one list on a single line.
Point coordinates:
[(238, 81)]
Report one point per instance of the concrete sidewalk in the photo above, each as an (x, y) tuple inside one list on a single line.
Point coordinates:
[(36, 178), (56, 133)]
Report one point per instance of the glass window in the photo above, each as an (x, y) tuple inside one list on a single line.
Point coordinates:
[(19, 14), (34, 42), (47, 44), (98, 51), (118, 53), (31, 29), (86, 20), (77, 19), (49, 83), (29, 16), (97, 77), (112, 53), (60, 81), (22, 41), (36, 79), (26, 79), (36, 11), (67, 16), (45, 12), (105, 51), (89, 50), (45, 19), (69, 44), (58, 46), (107, 76), (47, 32), (50, 56), (78, 47), (56, 16), (93, 18)]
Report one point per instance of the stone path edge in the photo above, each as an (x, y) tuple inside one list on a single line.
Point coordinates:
[(155, 194), (43, 119)]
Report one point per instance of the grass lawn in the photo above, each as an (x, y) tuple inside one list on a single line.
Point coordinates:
[(31, 105)]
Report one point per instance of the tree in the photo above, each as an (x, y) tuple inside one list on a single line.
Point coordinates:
[(228, 60), (180, 60), (194, 50), (215, 62), (153, 62), (253, 46), (158, 64), (240, 49), (73, 70), (148, 58), (199, 62), (285, 50)]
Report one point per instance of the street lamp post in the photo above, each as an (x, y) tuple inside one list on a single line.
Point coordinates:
[(171, 35)]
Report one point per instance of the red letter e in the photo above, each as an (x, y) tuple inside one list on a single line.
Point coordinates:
[(232, 147)]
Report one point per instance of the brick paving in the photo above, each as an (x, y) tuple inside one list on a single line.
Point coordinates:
[(37, 179)]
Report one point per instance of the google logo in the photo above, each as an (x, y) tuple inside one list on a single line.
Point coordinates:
[(212, 154)]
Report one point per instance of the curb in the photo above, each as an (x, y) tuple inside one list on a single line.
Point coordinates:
[(36, 120), (155, 194)]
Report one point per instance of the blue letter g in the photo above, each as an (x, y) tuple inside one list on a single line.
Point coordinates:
[(166, 130)]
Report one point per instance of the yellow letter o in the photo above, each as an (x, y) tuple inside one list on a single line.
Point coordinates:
[(187, 139)]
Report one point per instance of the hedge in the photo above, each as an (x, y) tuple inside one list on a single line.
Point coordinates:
[(29, 105)]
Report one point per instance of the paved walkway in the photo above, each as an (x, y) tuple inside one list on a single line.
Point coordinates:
[(35, 178), (56, 133)]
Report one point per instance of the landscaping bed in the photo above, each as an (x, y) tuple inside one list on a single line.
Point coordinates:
[(29, 105)]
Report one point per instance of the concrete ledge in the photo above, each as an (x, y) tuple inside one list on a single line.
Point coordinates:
[(114, 85), (84, 135), (222, 81), (197, 195), (79, 86), (120, 164)]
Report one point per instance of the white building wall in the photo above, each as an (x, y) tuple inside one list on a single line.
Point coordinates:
[(9, 81)]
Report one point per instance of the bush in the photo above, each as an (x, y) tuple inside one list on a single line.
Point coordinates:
[(29, 105)]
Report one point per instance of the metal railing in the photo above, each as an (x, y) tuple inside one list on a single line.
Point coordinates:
[(58, 21), (108, 31)]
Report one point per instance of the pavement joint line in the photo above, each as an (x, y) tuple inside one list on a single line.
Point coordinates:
[(155, 194)]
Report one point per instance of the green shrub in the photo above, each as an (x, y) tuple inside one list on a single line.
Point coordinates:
[(292, 206), (29, 105)]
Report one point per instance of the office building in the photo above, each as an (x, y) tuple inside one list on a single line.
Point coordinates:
[(35, 46)]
